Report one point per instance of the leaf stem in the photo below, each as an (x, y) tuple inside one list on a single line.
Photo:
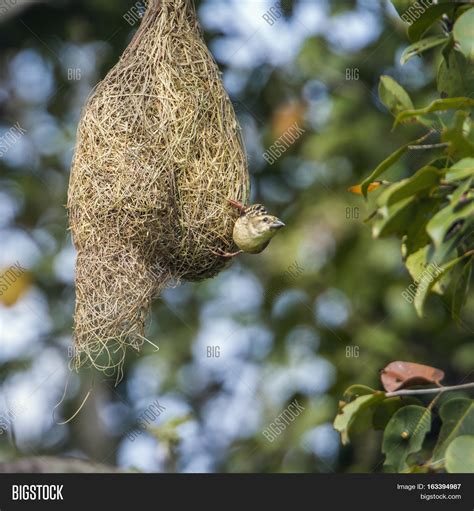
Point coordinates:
[(408, 392)]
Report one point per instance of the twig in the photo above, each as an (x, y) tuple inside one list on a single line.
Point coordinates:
[(408, 392), (429, 146)]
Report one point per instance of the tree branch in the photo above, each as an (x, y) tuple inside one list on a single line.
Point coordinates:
[(429, 146), (436, 390)]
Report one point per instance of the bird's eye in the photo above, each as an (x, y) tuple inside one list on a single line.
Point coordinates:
[(265, 219)]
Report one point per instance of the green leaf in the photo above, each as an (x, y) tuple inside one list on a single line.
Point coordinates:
[(421, 269), (463, 34), (459, 232), (354, 391), (443, 222), (416, 469), (382, 167), (421, 46), (461, 290), (455, 75), (405, 434), (346, 418), (457, 416), (362, 422), (429, 279), (438, 105), (462, 194), (394, 219), (424, 22), (459, 145), (387, 163), (393, 95), (460, 170), (416, 236), (386, 409), (464, 5), (417, 262), (423, 180), (383, 413), (460, 455), (402, 5)]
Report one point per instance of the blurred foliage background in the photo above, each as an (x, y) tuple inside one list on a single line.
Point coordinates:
[(320, 309)]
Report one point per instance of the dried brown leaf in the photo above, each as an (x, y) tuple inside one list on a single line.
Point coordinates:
[(400, 375)]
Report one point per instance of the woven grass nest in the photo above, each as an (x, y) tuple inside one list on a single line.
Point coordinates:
[(158, 154)]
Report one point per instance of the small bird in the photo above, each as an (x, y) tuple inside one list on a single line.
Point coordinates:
[(253, 230)]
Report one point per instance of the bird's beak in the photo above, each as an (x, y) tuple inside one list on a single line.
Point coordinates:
[(277, 224)]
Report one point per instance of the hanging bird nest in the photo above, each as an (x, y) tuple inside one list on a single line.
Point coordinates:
[(158, 154)]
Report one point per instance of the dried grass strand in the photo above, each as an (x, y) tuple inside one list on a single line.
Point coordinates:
[(158, 154)]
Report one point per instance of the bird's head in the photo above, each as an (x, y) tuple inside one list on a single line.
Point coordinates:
[(257, 226), (264, 226)]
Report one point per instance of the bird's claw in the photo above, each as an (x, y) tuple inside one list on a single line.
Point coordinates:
[(236, 204), (222, 253)]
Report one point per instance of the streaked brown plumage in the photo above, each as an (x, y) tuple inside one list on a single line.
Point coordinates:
[(253, 230)]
